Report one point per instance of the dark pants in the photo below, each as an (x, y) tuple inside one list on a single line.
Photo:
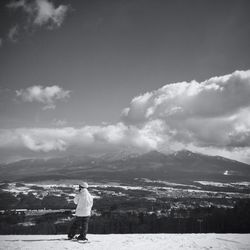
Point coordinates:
[(79, 222)]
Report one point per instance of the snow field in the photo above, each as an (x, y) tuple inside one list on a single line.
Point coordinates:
[(129, 242)]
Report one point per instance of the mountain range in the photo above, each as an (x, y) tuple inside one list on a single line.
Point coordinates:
[(182, 166)]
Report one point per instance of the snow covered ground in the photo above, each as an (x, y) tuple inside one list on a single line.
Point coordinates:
[(129, 241)]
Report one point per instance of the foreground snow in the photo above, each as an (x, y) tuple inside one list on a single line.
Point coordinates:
[(129, 241)]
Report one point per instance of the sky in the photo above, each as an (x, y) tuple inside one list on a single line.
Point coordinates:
[(94, 76)]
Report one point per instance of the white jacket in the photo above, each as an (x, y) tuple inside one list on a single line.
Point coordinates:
[(84, 202)]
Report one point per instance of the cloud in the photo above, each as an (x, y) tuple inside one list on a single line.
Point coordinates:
[(42, 12), (1, 42), (47, 13), (45, 95), (212, 113), (13, 33), (91, 138), (211, 117)]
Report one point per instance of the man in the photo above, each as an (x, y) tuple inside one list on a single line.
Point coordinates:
[(84, 202)]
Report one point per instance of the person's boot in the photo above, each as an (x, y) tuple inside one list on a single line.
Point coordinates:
[(70, 237), (82, 237)]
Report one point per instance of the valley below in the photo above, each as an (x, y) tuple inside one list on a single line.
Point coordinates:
[(150, 193)]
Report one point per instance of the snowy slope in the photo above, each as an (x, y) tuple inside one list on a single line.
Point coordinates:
[(129, 241)]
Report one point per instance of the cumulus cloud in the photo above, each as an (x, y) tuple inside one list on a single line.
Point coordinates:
[(211, 117), (45, 95), (42, 12), (212, 113), (90, 137)]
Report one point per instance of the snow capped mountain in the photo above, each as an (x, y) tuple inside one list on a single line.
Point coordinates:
[(125, 165), (117, 155)]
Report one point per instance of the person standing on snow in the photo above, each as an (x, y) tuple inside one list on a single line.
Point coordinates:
[(84, 202)]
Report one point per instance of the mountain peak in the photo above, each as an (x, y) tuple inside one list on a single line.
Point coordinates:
[(184, 153), (155, 152), (118, 155), (153, 155)]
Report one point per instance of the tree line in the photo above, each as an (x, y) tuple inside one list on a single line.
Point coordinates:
[(201, 220)]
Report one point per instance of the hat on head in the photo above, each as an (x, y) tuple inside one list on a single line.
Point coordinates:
[(83, 184)]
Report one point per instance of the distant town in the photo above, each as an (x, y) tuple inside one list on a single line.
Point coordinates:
[(49, 208)]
